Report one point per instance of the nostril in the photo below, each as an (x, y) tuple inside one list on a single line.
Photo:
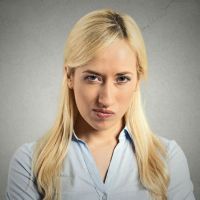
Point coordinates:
[(105, 96), (102, 105), (105, 101)]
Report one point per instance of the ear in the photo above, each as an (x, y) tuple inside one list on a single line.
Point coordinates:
[(69, 77)]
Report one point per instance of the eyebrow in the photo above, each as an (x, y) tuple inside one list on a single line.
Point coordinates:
[(97, 73)]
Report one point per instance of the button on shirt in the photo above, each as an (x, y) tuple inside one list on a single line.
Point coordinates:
[(80, 178)]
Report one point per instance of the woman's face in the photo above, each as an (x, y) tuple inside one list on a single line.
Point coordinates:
[(104, 87)]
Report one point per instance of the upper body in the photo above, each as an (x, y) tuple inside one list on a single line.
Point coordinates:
[(104, 62), (81, 179)]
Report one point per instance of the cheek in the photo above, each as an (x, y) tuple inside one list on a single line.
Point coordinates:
[(83, 96), (124, 99)]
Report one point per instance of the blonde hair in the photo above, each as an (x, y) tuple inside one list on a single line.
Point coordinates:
[(90, 34)]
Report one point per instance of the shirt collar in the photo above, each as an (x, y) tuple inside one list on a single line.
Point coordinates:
[(75, 137), (124, 134)]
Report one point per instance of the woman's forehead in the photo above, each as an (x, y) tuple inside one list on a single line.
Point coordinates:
[(103, 69), (118, 57)]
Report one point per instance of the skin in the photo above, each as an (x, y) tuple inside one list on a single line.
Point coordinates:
[(109, 90)]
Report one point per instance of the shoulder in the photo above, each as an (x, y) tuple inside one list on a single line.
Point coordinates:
[(21, 182), (180, 185), (175, 156), (22, 158), (25, 151), (26, 148), (175, 153)]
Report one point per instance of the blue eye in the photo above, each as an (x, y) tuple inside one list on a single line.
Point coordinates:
[(123, 79), (93, 78)]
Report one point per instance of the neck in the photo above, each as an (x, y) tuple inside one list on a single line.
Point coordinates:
[(94, 136)]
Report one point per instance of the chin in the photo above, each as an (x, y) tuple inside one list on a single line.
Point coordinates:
[(101, 126)]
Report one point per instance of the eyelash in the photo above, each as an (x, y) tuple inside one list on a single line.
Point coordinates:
[(88, 78), (126, 77)]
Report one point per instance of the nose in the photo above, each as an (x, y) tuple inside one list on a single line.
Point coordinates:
[(106, 95)]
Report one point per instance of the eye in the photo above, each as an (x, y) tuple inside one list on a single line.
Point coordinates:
[(123, 79), (93, 78)]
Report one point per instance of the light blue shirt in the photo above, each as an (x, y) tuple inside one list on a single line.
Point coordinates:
[(80, 178)]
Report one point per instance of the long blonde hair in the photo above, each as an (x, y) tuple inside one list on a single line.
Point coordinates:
[(89, 35)]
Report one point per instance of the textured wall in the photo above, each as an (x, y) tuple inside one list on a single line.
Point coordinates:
[(32, 36)]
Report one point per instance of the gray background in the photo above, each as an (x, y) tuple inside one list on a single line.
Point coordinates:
[(32, 36)]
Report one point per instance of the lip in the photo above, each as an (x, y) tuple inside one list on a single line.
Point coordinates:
[(103, 113)]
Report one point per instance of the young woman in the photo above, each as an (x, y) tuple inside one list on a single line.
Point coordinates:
[(100, 146)]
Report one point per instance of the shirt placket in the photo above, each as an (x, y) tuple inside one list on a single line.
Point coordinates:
[(100, 187)]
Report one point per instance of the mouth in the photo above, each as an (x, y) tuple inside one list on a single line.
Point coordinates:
[(103, 113)]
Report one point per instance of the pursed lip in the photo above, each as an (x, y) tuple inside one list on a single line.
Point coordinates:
[(105, 111)]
